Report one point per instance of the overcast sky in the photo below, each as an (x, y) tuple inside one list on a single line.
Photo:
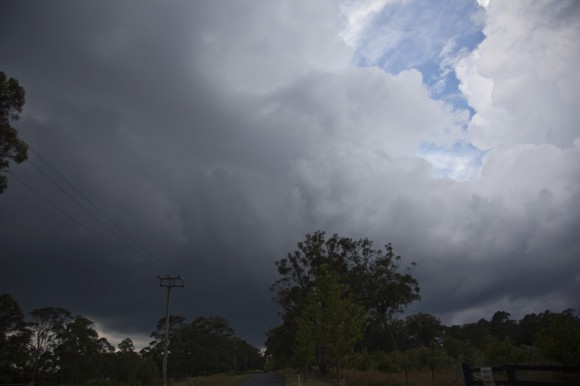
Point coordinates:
[(216, 134)]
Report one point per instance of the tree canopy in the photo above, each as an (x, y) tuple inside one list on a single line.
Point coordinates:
[(326, 281), (12, 148), (371, 278), (52, 347), (330, 323)]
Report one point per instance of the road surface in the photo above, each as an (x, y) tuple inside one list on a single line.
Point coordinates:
[(265, 379)]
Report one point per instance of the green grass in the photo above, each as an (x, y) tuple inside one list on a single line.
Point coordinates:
[(375, 378), (292, 380), (416, 378), (212, 380)]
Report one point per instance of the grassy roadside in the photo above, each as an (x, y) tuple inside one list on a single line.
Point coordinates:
[(376, 378), (213, 380), (292, 380)]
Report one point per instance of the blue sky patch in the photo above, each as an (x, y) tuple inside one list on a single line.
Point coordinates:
[(425, 35), (459, 162)]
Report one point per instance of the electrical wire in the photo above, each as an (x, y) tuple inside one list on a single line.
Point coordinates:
[(84, 208), (67, 215), (154, 262), (92, 204)]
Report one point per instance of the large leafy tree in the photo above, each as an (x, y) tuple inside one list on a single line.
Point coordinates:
[(81, 354), (207, 345), (422, 329), (156, 347), (330, 322), (372, 277), (14, 338), (559, 338), (46, 325), (127, 362), (304, 345), (12, 148)]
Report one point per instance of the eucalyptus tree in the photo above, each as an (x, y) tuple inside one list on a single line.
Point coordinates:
[(330, 323), (373, 278), (559, 338), (46, 325), (81, 354), (207, 345), (14, 338), (423, 329), (12, 148), (127, 362)]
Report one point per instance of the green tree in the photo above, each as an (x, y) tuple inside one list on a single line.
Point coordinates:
[(501, 351), (207, 345), (423, 329), (222, 337), (11, 146), (148, 372), (559, 339), (528, 327), (372, 277), (304, 347), (502, 326), (46, 324), (80, 352), (126, 346), (127, 362), (279, 343), (14, 338), (156, 347), (332, 320)]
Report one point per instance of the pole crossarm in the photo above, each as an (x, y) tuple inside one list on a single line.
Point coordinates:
[(170, 281)]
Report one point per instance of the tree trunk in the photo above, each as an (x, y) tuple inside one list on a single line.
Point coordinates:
[(388, 327), (337, 364), (322, 361)]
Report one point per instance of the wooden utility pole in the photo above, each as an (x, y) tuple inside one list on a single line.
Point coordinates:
[(169, 282)]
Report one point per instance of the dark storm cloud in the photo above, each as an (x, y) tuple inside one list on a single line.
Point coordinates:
[(217, 142), (111, 104)]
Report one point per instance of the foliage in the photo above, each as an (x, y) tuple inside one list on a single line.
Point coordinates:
[(80, 351), (304, 346), (46, 324), (55, 348), (559, 338), (147, 372), (127, 362), (330, 321), (422, 329), (14, 338), (502, 351), (370, 277), (12, 148), (207, 345)]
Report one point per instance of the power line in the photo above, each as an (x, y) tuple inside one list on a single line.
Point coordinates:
[(56, 207), (136, 246), (82, 206), (92, 204), (71, 218)]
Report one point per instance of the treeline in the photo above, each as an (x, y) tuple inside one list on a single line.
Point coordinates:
[(424, 342), (203, 347), (342, 302), (53, 347)]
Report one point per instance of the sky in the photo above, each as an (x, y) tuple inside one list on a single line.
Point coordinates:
[(205, 139)]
